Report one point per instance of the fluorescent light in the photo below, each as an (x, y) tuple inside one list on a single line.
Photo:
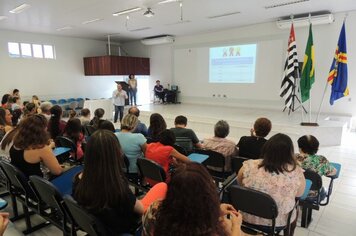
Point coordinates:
[(68, 27), (3, 17), (167, 1), (20, 8), (91, 21), (127, 11)]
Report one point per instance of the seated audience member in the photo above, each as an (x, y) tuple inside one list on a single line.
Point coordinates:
[(309, 160), (157, 126), (6, 120), (164, 153), (103, 189), (6, 144), (159, 91), (31, 147), (251, 146), (85, 116), (16, 93), (45, 109), (4, 100), (73, 130), (108, 125), (180, 131), (133, 145), (191, 207), (98, 115), (16, 103), (29, 109), (16, 115), (141, 127), (277, 174), (72, 114), (35, 100), (219, 143), (56, 125)]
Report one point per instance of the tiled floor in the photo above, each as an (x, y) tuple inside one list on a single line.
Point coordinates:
[(336, 219)]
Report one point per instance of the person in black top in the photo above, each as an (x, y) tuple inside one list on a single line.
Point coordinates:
[(251, 146), (103, 189), (159, 91)]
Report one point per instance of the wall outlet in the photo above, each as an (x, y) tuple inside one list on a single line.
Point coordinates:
[(213, 95), (224, 96), (350, 99), (219, 95)]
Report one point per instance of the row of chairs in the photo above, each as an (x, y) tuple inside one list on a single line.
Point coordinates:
[(41, 197)]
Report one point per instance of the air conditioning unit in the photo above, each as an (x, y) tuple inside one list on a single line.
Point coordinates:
[(303, 20), (158, 40)]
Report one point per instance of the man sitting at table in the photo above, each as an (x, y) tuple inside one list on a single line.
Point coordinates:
[(159, 91)]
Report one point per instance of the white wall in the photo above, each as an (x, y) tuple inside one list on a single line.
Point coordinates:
[(62, 77), (265, 94)]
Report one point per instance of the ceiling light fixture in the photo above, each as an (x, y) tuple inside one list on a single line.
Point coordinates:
[(167, 1), (91, 21), (149, 12), (3, 17), (127, 11), (68, 27), (20, 8)]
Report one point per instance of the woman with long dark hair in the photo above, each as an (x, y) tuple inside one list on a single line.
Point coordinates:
[(56, 125), (276, 174), (102, 187), (5, 119), (191, 207), (157, 125), (31, 147), (98, 117)]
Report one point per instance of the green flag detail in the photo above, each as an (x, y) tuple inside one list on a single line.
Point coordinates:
[(308, 71)]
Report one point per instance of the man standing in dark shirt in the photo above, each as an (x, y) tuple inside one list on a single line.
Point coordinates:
[(251, 146)]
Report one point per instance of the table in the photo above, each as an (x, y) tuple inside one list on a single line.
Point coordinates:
[(106, 104)]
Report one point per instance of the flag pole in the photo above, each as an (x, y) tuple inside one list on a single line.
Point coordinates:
[(326, 85), (310, 96)]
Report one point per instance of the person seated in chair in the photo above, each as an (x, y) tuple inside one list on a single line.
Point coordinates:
[(73, 131), (180, 131), (219, 143), (309, 160), (141, 127), (159, 91), (164, 153), (278, 174), (103, 189), (251, 146)]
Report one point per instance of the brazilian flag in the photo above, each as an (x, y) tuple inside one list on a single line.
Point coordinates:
[(308, 70)]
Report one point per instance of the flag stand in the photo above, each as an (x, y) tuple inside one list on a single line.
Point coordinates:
[(294, 96)]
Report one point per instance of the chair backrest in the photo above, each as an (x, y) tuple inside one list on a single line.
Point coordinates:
[(185, 142), (17, 179), (315, 178), (73, 105), (62, 101), (180, 149), (150, 169), (87, 222), (216, 159), (54, 102), (71, 99), (237, 162), (62, 141), (48, 193), (80, 103), (88, 130), (253, 202)]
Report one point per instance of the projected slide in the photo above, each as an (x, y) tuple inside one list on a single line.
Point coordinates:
[(232, 64)]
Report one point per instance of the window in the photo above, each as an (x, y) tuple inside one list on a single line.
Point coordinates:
[(26, 50), (37, 50), (14, 49), (29, 50), (48, 51)]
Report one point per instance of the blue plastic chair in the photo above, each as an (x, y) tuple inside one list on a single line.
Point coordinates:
[(62, 101), (54, 102)]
